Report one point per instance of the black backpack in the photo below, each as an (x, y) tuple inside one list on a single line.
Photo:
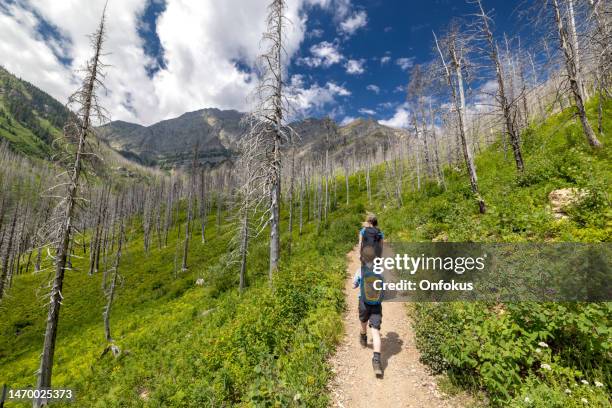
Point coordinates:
[(373, 237)]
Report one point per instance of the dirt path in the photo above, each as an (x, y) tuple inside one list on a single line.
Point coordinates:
[(405, 383)]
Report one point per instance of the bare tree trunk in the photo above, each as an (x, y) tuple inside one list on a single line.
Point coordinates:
[(460, 109), (301, 198), (115, 276), (291, 182), (9, 246), (88, 100), (575, 76), (508, 110)]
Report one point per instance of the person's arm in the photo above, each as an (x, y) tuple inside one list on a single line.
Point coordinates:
[(357, 279), (360, 236)]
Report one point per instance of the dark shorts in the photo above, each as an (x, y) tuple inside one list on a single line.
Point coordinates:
[(373, 313)]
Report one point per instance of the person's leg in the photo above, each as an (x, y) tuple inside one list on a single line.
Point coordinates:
[(376, 340), (363, 318), (375, 322)]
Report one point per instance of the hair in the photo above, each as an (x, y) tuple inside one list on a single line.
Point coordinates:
[(371, 218), (368, 254)]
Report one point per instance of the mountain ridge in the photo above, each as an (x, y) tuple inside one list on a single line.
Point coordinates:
[(170, 142)]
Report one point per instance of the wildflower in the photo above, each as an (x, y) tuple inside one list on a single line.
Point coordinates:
[(538, 350), (585, 382), (584, 400), (546, 367), (598, 384), (567, 391), (542, 344), (527, 399)]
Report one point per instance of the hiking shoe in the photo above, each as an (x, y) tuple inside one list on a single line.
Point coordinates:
[(363, 339), (377, 367)]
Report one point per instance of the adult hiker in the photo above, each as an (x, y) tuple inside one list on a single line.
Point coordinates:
[(371, 235)]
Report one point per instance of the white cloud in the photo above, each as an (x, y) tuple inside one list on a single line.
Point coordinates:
[(366, 111), (405, 63), (385, 60), (200, 52), (353, 23), (373, 88), (400, 119), (324, 54), (306, 100), (315, 33), (355, 67)]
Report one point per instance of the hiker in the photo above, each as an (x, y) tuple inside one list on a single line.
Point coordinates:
[(370, 235), (370, 307)]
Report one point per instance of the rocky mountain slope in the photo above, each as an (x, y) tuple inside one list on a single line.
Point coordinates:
[(170, 143), (30, 120)]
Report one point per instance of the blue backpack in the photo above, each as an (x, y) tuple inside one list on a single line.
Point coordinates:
[(369, 294)]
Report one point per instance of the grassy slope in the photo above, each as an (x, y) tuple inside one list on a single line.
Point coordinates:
[(492, 347), (191, 346)]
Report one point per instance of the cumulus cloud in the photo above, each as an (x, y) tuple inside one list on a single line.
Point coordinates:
[(353, 23), (306, 100), (400, 119), (405, 63), (385, 60), (355, 67), (323, 54), (206, 64), (373, 88)]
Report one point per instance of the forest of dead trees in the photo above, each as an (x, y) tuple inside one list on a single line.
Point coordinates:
[(480, 87)]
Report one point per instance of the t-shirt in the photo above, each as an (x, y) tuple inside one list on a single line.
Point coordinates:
[(357, 278)]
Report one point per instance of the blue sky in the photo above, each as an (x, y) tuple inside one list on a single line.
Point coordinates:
[(349, 58)]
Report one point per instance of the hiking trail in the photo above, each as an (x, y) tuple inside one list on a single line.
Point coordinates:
[(406, 382)]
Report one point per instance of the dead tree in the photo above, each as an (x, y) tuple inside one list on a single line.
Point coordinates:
[(190, 198), (456, 50), (267, 128), (569, 45), (85, 105), (4, 274), (508, 108), (114, 281), (291, 193)]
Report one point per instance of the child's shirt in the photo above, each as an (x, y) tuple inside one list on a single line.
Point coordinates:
[(357, 278)]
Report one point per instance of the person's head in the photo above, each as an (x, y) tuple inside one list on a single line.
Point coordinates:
[(371, 219), (368, 254)]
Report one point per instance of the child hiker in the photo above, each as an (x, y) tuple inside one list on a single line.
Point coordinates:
[(370, 307)]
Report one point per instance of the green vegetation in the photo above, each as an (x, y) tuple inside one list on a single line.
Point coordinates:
[(495, 347), (30, 119), (186, 345)]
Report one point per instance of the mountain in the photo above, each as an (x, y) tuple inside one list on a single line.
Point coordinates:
[(29, 118), (170, 143)]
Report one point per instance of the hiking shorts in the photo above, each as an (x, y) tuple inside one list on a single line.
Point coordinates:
[(371, 313)]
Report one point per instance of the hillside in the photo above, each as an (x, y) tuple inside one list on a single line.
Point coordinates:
[(209, 345), (30, 119)]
